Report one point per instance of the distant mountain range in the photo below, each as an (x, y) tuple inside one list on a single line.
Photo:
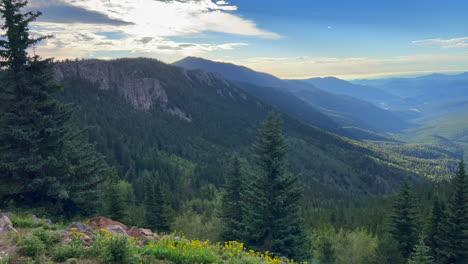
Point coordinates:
[(341, 108)]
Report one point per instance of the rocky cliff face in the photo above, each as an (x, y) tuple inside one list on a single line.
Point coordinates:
[(142, 87)]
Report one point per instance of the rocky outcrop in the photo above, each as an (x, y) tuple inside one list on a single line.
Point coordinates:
[(139, 90)]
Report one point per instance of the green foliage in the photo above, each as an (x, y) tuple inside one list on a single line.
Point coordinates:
[(117, 249), (388, 251), (437, 237), (74, 249), (344, 247), (456, 247), (421, 254), (32, 246), (116, 207), (198, 226), (156, 211), (43, 162), (182, 252), (26, 221), (231, 208), (49, 238), (271, 201), (403, 226)]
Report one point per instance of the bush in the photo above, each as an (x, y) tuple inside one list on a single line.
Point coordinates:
[(117, 249), (180, 252), (32, 246), (49, 238), (73, 250), (26, 221)]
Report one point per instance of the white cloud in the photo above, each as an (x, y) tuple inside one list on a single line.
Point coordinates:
[(357, 67), (444, 43), (155, 22)]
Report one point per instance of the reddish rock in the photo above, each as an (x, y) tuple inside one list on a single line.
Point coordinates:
[(103, 223), (140, 233)]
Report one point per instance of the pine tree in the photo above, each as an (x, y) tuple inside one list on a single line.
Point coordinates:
[(437, 235), (43, 162), (116, 209), (231, 210), (157, 215), (457, 226), (422, 253), (403, 227), (271, 213)]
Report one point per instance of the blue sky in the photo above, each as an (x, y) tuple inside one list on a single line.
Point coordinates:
[(290, 39)]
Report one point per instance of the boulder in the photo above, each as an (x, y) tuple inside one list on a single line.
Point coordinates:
[(116, 229), (103, 223), (79, 227), (6, 225), (141, 233)]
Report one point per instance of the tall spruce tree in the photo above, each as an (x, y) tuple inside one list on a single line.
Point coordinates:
[(437, 239), (403, 227), (231, 210), (456, 251), (157, 215), (43, 163), (271, 213), (422, 253)]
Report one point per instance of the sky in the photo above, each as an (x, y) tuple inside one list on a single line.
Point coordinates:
[(290, 39)]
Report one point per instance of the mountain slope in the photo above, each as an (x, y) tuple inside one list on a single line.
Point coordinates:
[(341, 109), (269, 91), (186, 137)]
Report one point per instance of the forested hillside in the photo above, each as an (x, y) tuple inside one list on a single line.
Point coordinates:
[(221, 119)]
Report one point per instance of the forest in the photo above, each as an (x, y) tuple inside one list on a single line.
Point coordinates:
[(213, 164)]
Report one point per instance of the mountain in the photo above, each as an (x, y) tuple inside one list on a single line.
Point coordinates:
[(231, 71), (266, 88), (350, 111), (363, 92), (423, 90), (182, 126), (345, 110)]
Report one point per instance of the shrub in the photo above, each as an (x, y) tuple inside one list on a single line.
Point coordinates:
[(117, 249), (75, 249), (32, 246), (181, 252), (26, 221), (49, 238)]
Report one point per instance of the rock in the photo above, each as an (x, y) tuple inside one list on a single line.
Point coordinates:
[(103, 223), (116, 229), (6, 225), (141, 233), (79, 227)]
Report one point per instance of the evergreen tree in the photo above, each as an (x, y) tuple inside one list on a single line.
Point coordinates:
[(437, 235), (403, 227), (231, 210), (116, 209), (43, 162), (456, 251), (271, 212), (422, 253), (157, 215)]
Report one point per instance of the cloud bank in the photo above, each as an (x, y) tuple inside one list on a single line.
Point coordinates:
[(142, 26)]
